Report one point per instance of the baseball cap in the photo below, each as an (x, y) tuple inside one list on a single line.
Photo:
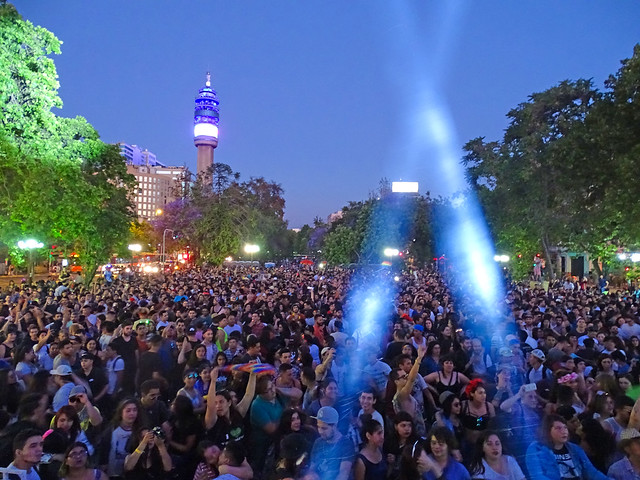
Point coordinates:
[(539, 354), (77, 390), (191, 330), (505, 352), (627, 436), (88, 356), (324, 350), (62, 370), (327, 415)]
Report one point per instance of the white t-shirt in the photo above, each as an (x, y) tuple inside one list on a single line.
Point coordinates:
[(118, 451), (514, 471), (28, 474), (113, 366)]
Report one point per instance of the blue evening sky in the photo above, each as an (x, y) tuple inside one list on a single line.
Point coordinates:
[(325, 97)]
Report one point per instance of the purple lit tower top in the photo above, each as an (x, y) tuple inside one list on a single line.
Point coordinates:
[(205, 126)]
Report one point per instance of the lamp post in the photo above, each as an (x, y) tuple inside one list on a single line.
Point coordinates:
[(391, 252), (164, 245), (30, 245), (251, 249)]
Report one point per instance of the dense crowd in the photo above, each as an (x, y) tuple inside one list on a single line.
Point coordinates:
[(241, 373)]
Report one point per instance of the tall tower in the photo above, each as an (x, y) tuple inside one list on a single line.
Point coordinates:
[(205, 128)]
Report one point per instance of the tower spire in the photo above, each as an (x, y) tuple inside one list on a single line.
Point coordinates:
[(208, 82)]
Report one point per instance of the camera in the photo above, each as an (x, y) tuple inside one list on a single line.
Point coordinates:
[(158, 432)]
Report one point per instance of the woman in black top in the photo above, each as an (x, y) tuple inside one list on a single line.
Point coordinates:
[(222, 421)]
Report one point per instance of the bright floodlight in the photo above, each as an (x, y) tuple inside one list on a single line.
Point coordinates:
[(404, 187), (30, 244), (135, 247), (391, 252), (251, 248), (205, 130), (396, 278), (501, 258), (635, 257)]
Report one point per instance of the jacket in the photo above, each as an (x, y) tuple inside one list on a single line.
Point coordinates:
[(542, 465)]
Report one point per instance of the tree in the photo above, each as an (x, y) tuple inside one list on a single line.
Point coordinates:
[(526, 182), (62, 184)]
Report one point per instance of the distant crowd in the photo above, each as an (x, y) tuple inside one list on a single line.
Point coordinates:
[(268, 374)]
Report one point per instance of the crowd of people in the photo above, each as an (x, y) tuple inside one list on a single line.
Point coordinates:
[(268, 374)]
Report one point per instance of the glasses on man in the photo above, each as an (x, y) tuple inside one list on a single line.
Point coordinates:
[(192, 375), (74, 399)]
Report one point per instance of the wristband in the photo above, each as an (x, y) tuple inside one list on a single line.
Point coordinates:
[(138, 451)]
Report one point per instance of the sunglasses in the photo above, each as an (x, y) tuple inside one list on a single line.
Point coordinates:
[(80, 454), (74, 399), (192, 375)]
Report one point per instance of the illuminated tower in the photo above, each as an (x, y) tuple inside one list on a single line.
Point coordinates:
[(205, 128)]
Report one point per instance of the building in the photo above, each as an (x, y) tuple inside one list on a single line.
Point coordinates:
[(137, 156), (205, 126), (158, 184)]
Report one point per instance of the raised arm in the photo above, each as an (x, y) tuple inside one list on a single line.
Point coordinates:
[(249, 393), (210, 414), (406, 390)]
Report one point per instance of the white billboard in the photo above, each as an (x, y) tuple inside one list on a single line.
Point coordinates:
[(404, 187)]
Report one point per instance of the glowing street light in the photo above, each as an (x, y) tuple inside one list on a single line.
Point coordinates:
[(391, 252), (251, 249), (30, 245), (135, 247), (501, 258), (158, 212)]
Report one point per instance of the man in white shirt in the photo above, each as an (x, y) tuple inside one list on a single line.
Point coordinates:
[(27, 452)]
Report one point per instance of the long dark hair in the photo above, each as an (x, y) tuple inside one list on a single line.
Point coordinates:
[(72, 414), (475, 465), (408, 462), (117, 416)]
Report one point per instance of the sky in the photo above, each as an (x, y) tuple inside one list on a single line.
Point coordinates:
[(325, 97)]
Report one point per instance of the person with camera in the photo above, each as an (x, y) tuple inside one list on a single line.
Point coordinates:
[(150, 460)]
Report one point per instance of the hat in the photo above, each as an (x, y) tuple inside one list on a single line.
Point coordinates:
[(88, 356), (324, 350), (444, 395), (539, 354), (420, 328), (77, 390), (191, 330), (293, 446), (627, 436), (62, 370), (505, 352), (327, 415)]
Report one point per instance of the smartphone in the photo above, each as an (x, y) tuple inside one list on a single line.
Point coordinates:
[(530, 387)]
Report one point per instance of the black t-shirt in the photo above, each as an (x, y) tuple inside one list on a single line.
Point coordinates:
[(96, 379), (156, 415), (225, 431), (149, 362), (127, 350), (568, 469)]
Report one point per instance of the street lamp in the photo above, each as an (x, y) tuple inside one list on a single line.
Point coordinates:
[(251, 249), (391, 252), (162, 254), (501, 258), (30, 245)]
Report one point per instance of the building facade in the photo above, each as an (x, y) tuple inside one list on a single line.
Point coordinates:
[(158, 184)]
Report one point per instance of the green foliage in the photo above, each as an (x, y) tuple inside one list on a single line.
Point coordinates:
[(564, 174), (60, 183), (217, 222), (365, 229)]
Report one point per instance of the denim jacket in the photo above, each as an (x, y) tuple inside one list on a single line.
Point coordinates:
[(541, 463)]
